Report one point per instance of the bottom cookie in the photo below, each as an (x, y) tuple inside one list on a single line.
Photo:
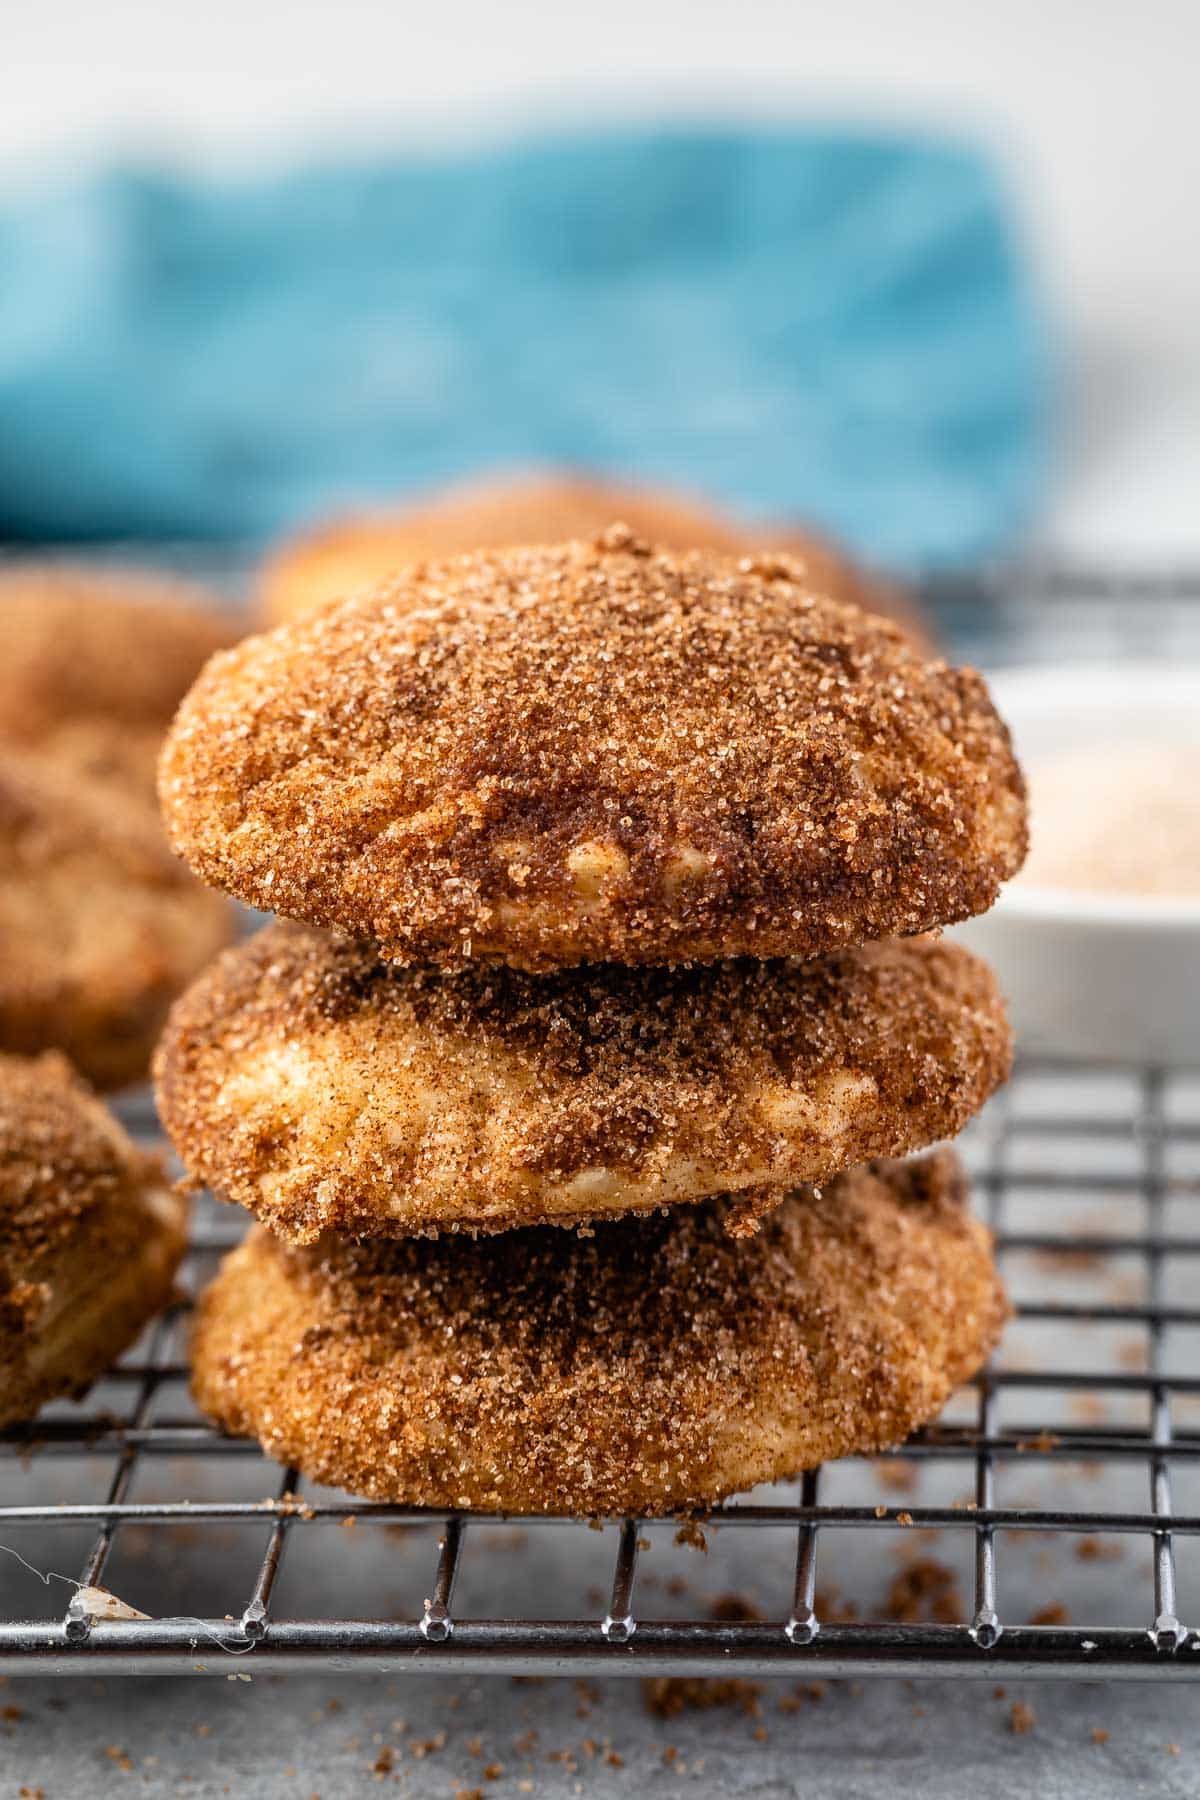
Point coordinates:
[(657, 1365), (91, 1235)]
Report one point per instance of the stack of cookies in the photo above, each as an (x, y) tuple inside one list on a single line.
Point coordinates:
[(609, 874)]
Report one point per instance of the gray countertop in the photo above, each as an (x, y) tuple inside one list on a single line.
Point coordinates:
[(273, 1739)]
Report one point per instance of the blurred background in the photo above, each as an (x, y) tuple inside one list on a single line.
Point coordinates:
[(927, 277)]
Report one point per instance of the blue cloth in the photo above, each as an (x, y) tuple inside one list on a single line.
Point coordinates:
[(833, 324)]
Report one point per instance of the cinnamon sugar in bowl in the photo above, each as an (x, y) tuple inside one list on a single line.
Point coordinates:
[(1097, 942)]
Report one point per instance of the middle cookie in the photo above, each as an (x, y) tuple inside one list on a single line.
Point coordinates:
[(305, 1080)]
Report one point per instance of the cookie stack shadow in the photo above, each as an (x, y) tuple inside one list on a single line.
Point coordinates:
[(569, 1088)]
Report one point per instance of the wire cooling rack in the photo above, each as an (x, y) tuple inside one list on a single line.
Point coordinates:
[(1048, 1525), (1051, 1513)]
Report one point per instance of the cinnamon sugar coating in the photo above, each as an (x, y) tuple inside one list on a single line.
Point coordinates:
[(90, 1235), (595, 753), (96, 661), (653, 1366), (352, 554), (100, 928), (302, 1078)]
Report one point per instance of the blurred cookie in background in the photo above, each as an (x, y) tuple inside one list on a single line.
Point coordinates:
[(91, 1235), (344, 555), (97, 659), (100, 926)]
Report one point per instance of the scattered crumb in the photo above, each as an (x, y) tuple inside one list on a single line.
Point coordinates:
[(121, 1757), (926, 1592), (1022, 1718), (1172, 1749), (904, 1518), (691, 1533), (1089, 1409), (292, 1503), (1094, 1549), (1044, 1442), (1054, 1614), (586, 1699), (831, 1609), (1058, 1262), (384, 1763), (735, 1610), (667, 1696), (1099, 1735)]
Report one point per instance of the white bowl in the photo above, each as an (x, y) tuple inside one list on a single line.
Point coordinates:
[(1090, 975)]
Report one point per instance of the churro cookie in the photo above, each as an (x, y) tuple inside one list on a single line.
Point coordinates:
[(100, 928), (348, 555), (90, 1235), (324, 1090), (96, 661), (652, 1366), (595, 753)]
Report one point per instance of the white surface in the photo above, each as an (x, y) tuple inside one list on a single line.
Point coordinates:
[(1092, 103), (1087, 974)]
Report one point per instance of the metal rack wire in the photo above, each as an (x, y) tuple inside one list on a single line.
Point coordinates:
[(1124, 1140)]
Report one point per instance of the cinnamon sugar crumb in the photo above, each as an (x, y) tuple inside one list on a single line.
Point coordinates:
[(925, 1591), (667, 1696), (1095, 1549)]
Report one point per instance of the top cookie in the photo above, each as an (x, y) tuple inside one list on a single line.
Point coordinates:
[(347, 555), (592, 753), (96, 661)]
